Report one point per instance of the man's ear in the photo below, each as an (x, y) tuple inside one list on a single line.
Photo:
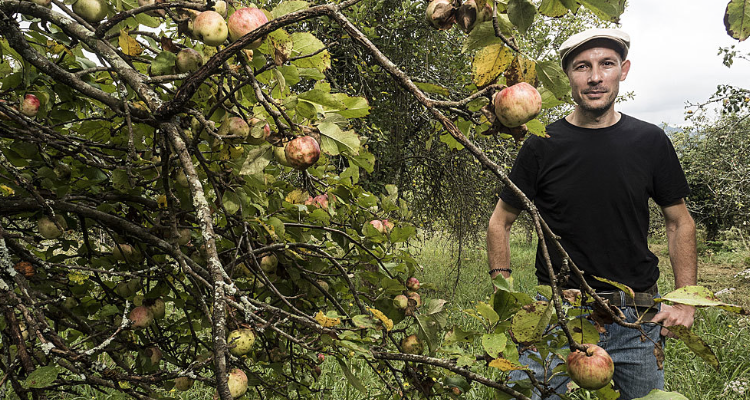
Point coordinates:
[(625, 67)]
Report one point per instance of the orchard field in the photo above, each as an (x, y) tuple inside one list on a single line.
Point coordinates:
[(286, 200)]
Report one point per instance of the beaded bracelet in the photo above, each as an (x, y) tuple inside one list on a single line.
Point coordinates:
[(508, 270)]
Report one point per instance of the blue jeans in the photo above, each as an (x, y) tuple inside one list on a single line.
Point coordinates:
[(636, 371)]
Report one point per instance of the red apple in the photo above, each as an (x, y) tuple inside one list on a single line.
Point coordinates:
[(154, 13), (183, 383), (416, 297), (517, 104), (210, 27), (302, 152), (441, 14), (468, 16), (157, 307), (188, 60), (378, 225), (269, 263), (412, 345), (244, 21), (320, 358), (259, 131), (141, 317), (400, 301), (413, 284), (30, 105), (237, 382), (154, 354), (319, 201), (387, 225), (591, 369), (93, 11), (236, 128)]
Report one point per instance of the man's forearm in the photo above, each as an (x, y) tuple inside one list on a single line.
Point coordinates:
[(682, 252), (498, 249)]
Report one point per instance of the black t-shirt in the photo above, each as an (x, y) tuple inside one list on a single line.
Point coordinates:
[(592, 187)]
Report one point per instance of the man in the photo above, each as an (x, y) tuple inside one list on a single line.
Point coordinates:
[(591, 181)]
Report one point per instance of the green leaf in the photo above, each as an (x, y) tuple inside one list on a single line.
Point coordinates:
[(353, 380), (257, 159), (521, 14), (432, 88), (553, 78), (583, 331), (699, 296), (737, 19), (430, 328), (451, 142), (326, 101), (481, 36), (163, 64), (354, 107), (287, 7), (696, 344), (657, 394), (529, 323), (486, 311), (625, 288), (537, 128), (231, 202), (364, 321), (608, 10), (42, 377), (494, 343), (553, 8), (506, 304), (489, 63), (305, 44), (334, 140), (402, 233), (458, 335)]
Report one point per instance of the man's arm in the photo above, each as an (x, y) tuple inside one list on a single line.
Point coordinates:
[(684, 259), (498, 236)]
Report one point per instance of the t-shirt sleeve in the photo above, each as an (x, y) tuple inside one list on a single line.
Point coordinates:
[(524, 175), (670, 184)]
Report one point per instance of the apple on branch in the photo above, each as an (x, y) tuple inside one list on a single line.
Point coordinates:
[(244, 21), (210, 28), (517, 104), (591, 369)]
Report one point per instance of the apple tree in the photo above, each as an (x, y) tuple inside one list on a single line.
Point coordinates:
[(181, 202)]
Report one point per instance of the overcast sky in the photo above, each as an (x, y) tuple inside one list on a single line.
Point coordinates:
[(674, 56)]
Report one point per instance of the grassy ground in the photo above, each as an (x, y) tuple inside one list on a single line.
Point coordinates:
[(720, 267)]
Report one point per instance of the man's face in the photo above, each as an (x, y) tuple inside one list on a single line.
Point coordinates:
[(595, 72)]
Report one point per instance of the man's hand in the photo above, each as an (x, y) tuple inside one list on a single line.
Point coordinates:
[(678, 314)]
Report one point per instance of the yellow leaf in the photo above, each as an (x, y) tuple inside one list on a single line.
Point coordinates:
[(7, 191), (505, 365), (296, 196), (162, 201), (387, 322), (490, 62), (129, 45), (325, 321)]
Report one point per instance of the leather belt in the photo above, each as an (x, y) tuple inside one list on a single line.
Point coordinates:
[(641, 299)]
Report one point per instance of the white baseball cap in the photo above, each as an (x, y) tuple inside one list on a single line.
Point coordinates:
[(618, 37)]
